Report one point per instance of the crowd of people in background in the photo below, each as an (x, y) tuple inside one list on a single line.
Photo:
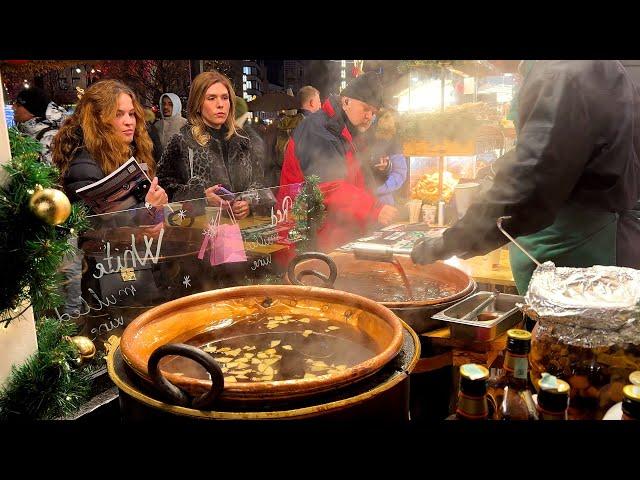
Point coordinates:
[(349, 141), (212, 147), (212, 144)]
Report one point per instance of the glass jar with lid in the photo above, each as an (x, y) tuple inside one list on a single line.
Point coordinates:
[(587, 332)]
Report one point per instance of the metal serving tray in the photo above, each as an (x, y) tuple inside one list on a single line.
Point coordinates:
[(504, 306)]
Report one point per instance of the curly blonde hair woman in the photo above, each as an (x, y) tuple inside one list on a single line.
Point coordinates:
[(106, 129)]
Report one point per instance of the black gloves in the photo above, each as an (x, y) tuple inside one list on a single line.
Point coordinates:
[(428, 250)]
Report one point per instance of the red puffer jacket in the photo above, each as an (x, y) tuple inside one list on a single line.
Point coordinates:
[(322, 145)]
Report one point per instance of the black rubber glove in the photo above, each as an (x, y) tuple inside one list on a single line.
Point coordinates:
[(428, 250)]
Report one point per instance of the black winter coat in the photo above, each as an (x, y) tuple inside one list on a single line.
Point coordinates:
[(186, 168), (83, 171)]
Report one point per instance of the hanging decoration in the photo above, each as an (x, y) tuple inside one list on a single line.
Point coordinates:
[(458, 123), (50, 205)]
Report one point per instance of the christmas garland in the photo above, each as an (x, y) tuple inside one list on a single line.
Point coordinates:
[(31, 249), (308, 211), (49, 384)]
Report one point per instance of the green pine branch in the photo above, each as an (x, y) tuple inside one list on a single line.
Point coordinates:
[(309, 212), (30, 250), (47, 386)]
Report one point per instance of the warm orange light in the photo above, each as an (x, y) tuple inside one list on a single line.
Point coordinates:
[(457, 263)]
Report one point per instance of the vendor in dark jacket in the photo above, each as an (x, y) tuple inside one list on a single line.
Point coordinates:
[(572, 185), (210, 151), (324, 145), (105, 130)]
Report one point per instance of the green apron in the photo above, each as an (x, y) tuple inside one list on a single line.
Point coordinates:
[(579, 237)]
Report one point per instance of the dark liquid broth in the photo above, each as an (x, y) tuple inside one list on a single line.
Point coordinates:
[(385, 286), (317, 347)]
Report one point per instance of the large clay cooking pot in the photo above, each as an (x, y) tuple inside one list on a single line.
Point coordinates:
[(212, 314), (417, 313)]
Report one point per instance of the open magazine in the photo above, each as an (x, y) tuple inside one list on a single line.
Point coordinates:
[(122, 189)]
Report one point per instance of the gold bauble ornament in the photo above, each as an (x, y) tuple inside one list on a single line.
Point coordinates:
[(86, 348), (50, 205)]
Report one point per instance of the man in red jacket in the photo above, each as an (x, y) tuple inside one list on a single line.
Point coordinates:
[(324, 145)]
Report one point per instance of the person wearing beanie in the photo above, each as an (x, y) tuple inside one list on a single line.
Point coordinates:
[(171, 120), (38, 117), (242, 110), (324, 145)]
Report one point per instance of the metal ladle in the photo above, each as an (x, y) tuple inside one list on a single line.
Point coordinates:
[(499, 224)]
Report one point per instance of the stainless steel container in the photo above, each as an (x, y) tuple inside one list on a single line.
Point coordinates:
[(496, 318)]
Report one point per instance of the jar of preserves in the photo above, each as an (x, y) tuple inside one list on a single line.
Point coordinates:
[(587, 332)]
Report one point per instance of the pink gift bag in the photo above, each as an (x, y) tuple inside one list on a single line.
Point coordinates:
[(225, 241)]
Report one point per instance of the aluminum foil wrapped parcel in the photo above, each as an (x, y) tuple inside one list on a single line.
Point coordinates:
[(587, 331)]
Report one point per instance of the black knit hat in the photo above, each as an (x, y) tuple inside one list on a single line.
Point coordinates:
[(34, 100), (367, 88)]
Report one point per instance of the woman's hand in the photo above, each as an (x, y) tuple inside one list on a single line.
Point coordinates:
[(156, 196), (213, 199), (240, 208), (383, 164)]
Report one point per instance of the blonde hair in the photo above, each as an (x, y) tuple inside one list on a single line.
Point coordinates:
[(199, 88), (90, 127)]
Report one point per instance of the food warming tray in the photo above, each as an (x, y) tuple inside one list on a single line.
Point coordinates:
[(501, 315)]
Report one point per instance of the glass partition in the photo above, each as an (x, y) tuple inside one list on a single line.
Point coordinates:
[(136, 259)]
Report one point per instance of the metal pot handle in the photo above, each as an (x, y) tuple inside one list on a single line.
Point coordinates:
[(173, 393), (297, 279)]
